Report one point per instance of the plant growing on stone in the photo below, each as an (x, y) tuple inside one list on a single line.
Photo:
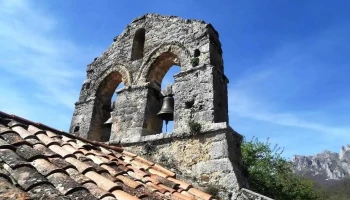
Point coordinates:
[(148, 148), (211, 189), (195, 127), (195, 61)]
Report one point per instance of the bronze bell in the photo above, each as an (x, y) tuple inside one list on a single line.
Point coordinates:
[(166, 113)]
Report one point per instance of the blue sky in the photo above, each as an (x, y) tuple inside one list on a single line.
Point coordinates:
[(287, 61)]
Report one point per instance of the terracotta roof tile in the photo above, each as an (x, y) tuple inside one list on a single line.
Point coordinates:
[(28, 177), (117, 154), (106, 151), (163, 170), (132, 155), (110, 170), (115, 167), (46, 191), (67, 139), (13, 138), (46, 168), (5, 174), (140, 165), (96, 159), (101, 181), (12, 159), (96, 167), (181, 184), (82, 167), (61, 151), (51, 134), (99, 153), (34, 130), (5, 145), (44, 150), (122, 163), (61, 163), (127, 159), (171, 190), (160, 189), (134, 175), (97, 191), (81, 194), (85, 152), (46, 139), (119, 194), (187, 194), (50, 164), (70, 149), (22, 132), (200, 194), (109, 176), (73, 143), (10, 191), (112, 158), (127, 181), (159, 173), (33, 140), (78, 177), (150, 179), (28, 153), (108, 198), (181, 196), (4, 129), (142, 160), (149, 187), (63, 182)]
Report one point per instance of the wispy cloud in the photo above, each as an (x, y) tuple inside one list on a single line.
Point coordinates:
[(48, 66), (282, 81)]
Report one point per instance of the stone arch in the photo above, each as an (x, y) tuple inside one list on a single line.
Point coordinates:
[(125, 75), (153, 70), (103, 91), (161, 57)]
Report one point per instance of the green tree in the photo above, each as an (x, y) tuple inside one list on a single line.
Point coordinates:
[(271, 175)]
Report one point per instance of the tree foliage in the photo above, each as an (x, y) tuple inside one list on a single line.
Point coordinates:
[(271, 175)]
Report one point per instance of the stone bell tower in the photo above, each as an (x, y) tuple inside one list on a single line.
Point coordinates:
[(139, 58)]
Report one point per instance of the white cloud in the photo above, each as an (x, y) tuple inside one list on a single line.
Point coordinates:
[(292, 69), (42, 70)]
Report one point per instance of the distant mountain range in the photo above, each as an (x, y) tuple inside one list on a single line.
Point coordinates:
[(326, 168)]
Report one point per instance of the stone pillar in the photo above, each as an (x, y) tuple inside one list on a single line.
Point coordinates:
[(135, 112), (82, 117), (200, 96)]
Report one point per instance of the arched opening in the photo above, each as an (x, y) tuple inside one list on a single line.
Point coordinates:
[(100, 127), (167, 81), (114, 97), (138, 44), (161, 73)]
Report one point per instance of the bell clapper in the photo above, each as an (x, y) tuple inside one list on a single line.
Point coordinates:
[(166, 125)]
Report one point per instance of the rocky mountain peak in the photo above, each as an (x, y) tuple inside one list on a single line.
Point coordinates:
[(324, 166), (344, 152)]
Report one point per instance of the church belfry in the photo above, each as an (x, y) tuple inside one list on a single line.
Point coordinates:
[(202, 145)]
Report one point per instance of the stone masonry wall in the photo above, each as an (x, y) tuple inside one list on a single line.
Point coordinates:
[(139, 58), (204, 159), (167, 41)]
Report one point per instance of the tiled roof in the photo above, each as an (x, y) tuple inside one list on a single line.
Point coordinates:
[(39, 162)]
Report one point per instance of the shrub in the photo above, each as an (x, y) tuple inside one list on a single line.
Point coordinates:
[(195, 127), (270, 174), (195, 61)]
